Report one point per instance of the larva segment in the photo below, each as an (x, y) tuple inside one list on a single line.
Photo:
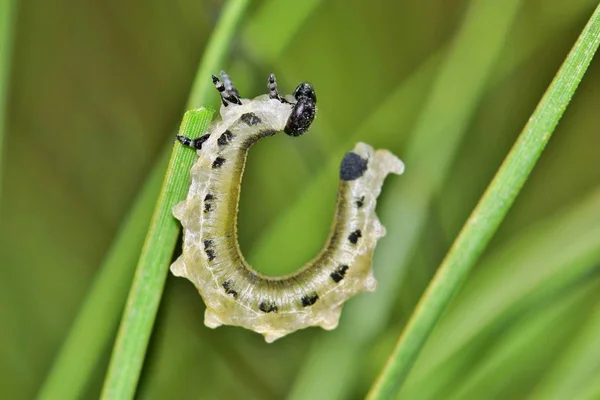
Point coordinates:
[(234, 293)]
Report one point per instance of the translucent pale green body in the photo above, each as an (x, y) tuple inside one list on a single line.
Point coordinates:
[(236, 294)]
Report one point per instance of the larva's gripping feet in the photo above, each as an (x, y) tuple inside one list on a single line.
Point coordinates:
[(193, 143), (272, 86), (304, 110), (229, 94)]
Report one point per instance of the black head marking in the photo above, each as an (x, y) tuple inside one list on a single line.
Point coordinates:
[(309, 299), (354, 236), (219, 161), (304, 110), (228, 286), (225, 138), (250, 119), (305, 90), (267, 307), (352, 167), (339, 273)]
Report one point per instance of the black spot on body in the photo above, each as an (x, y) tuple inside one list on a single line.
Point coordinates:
[(310, 299), (210, 254), (219, 161), (339, 273), (250, 119), (208, 243), (229, 288), (353, 237), (207, 202), (225, 138), (267, 307), (360, 202), (352, 167)]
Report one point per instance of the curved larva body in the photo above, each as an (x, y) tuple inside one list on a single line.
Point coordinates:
[(234, 293)]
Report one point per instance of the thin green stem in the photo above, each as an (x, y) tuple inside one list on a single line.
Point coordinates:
[(99, 315), (490, 211), (83, 347), (504, 288), (146, 290), (7, 23)]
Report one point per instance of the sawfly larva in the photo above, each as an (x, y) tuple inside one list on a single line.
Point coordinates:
[(235, 293)]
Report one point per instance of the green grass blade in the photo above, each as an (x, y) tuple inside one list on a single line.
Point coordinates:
[(490, 211), (95, 323), (117, 269), (7, 22), (504, 287), (151, 273)]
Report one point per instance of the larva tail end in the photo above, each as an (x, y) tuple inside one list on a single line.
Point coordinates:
[(389, 163), (381, 162)]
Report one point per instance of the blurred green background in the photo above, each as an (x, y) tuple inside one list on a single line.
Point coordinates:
[(97, 89)]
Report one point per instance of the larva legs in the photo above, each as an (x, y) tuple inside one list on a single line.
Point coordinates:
[(272, 86), (229, 94), (193, 143)]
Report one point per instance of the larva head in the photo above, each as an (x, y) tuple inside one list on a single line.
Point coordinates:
[(304, 110)]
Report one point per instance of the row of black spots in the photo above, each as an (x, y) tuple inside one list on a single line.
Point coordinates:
[(208, 202), (339, 273), (354, 236), (360, 202), (228, 286), (267, 307), (250, 119), (209, 249), (219, 161), (225, 138)]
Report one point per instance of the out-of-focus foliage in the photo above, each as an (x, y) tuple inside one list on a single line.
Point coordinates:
[(98, 88)]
